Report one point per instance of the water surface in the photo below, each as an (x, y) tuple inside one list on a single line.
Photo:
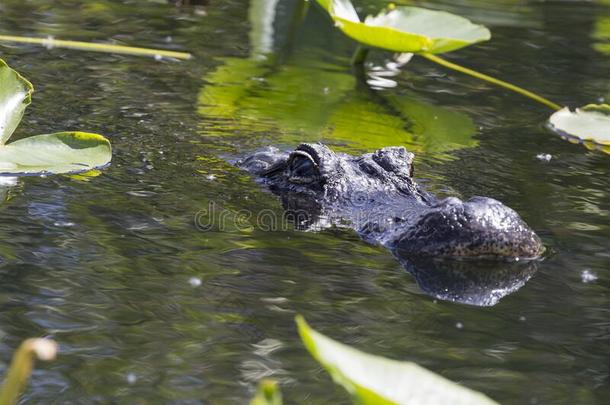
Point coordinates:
[(148, 308)]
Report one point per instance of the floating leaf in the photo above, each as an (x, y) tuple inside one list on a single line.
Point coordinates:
[(589, 124), (406, 29), (62, 152), (15, 96), (376, 380)]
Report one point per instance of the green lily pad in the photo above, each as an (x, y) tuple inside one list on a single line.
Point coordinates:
[(406, 29), (15, 96), (589, 124), (377, 380), (62, 152)]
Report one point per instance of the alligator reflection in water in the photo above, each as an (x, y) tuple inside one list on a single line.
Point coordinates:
[(480, 282)]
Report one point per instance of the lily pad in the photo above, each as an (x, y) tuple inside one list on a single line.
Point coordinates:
[(406, 29), (589, 124), (62, 152), (377, 380), (15, 96)]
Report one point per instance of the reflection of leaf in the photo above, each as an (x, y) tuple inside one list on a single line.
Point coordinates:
[(297, 108), (377, 380), (261, 17), (228, 84), (406, 29), (601, 33), (590, 124), (437, 128)]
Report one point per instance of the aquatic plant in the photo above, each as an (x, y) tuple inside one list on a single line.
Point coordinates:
[(268, 393), (428, 33), (21, 367), (376, 380), (589, 125), (60, 152)]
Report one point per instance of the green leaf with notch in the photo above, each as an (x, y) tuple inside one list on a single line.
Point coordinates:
[(377, 380), (406, 29)]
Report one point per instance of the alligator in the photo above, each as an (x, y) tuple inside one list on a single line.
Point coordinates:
[(376, 195)]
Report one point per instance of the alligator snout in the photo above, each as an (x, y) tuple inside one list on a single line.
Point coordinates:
[(479, 227)]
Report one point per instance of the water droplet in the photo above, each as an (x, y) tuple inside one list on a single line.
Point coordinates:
[(63, 224), (459, 325), (587, 276), (544, 157), (522, 318), (195, 281), (131, 378)]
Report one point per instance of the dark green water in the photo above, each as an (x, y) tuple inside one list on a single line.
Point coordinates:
[(110, 266)]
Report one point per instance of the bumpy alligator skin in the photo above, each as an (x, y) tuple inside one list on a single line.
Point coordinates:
[(376, 195)]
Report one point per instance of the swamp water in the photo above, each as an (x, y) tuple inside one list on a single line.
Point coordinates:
[(149, 308)]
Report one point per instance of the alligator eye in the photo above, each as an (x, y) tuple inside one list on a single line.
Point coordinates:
[(302, 168)]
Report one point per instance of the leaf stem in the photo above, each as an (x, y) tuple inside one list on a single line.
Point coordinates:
[(490, 79), (95, 47), (360, 55), (22, 365)]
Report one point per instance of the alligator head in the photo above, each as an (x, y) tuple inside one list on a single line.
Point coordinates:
[(376, 195)]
